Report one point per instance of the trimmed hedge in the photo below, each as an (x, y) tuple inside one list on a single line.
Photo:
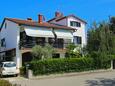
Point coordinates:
[(65, 65)]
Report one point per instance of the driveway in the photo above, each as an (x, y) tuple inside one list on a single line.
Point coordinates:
[(93, 79)]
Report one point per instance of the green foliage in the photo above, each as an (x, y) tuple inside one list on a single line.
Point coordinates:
[(37, 52), (101, 43), (73, 51), (40, 52), (23, 70), (112, 24), (51, 66), (6, 83), (48, 50), (99, 60)]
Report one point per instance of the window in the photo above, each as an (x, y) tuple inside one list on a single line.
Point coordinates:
[(9, 65), (3, 44), (56, 55), (78, 40), (51, 40), (75, 24), (40, 41)]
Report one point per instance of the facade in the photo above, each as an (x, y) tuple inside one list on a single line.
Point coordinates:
[(19, 36), (73, 22)]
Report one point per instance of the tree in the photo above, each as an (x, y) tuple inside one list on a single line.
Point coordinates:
[(101, 44), (48, 50), (37, 52), (112, 24), (40, 52)]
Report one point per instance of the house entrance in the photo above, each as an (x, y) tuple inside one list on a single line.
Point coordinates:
[(26, 57)]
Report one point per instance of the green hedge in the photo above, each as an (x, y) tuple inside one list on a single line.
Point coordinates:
[(6, 83), (23, 71), (51, 66)]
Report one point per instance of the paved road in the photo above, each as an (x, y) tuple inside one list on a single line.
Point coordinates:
[(93, 79)]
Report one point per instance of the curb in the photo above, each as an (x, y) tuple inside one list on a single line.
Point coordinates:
[(69, 74)]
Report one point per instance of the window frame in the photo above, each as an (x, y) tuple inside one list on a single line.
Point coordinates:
[(78, 39), (75, 24), (3, 43)]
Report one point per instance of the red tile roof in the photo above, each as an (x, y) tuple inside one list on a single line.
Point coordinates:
[(61, 18), (36, 24)]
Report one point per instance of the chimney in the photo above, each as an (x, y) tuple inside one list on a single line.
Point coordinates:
[(58, 14), (29, 19), (40, 18)]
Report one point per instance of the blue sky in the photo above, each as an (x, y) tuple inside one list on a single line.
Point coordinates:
[(89, 10)]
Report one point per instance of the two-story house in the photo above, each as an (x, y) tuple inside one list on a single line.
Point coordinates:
[(19, 36), (73, 22)]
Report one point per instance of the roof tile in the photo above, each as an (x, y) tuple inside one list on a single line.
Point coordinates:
[(36, 24)]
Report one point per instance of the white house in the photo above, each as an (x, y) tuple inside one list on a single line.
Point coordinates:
[(73, 22), (19, 36)]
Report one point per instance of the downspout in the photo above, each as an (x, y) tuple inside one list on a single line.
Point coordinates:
[(55, 36)]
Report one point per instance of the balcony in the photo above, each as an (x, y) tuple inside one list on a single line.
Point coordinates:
[(55, 45), (27, 42)]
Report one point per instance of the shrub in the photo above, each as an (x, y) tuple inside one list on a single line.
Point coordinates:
[(37, 52), (48, 50), (23, 70), (40, 52), (73, 51), (51, 66), (99, 60), (6, 83)]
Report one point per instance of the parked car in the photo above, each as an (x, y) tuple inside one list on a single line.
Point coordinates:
[(8, 68)]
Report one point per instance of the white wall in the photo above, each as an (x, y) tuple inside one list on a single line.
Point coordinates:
[(61, 22), (12, 36), (81, 31), (3, 35)]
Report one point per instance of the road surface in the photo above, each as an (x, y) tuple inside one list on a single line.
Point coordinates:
[(93, 79)]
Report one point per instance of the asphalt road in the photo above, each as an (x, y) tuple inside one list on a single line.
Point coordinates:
[(93, 79)]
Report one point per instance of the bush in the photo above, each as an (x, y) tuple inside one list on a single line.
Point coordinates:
[(37, 52), (6, 83), (100, 60), (73, 51), (40, 52), (23, 71), (65, 65)]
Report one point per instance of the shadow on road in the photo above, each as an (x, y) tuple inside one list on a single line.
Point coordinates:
[(101, 82), (8, 76)]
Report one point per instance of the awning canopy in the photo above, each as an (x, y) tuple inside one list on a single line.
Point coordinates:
[(65, 34), (39, 32)]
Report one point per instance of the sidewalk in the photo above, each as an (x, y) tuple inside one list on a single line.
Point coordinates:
[(69, 74), (95, 78)]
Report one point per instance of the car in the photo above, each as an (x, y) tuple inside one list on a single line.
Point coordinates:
[(8, 68)]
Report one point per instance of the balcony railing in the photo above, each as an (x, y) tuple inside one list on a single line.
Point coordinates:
[(29, 42), (55, 45)]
